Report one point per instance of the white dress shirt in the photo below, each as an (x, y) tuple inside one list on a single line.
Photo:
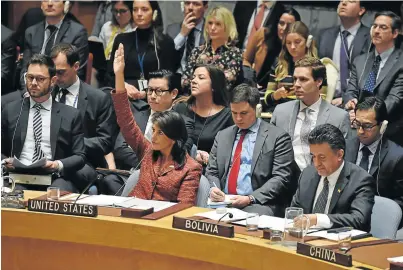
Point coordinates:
[(47, 34), (72, 95), (28, 148), (323, 220), (384, 57), (148, 132), (299, 151), (336, 51), (372, 148), (252, 20)]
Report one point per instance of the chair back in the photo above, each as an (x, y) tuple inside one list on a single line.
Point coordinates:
[(88, 72), (203, 192), (131, 183), (385, 219)]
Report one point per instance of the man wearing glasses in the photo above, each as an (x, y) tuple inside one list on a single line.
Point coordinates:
[(380, 73), (382, 158), (161, 93), (37, 128)]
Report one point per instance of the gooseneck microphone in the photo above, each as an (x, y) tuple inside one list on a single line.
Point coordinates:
[(85, 189), (230, 215)]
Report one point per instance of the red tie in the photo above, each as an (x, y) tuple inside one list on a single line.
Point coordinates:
[(236, 164), (257, 23)]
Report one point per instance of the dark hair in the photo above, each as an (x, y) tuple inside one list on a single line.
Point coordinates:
[(128, 4), (272, 30), (43, 60), (318, 68), (396, 20), (218, 85), (163, 74), (173, 126), (375, 103), (329, 134), (70, 51), (158, 23), (245, 93)]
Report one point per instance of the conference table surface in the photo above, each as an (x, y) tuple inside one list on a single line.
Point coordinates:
[(32, 240)]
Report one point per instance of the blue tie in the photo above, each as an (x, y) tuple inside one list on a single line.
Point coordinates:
[(344, 71), (371, 80)]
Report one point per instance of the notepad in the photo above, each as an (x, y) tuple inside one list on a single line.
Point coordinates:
[(226, 201)]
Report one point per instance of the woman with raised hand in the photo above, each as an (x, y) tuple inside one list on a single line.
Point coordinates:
[(167, 172)]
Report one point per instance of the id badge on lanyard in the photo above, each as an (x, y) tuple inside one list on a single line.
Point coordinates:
[(143, 84)]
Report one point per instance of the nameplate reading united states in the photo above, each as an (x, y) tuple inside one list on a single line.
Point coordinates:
[(324, 254), (63, 208), (199, 226)]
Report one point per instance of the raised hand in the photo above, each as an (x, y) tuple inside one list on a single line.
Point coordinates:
[(188, 24), (119, 62)]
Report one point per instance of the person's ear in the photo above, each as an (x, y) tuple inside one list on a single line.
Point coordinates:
[(340, 154), (76, 66), (395, 33), (174, 93), (362, 11), (319, 82)]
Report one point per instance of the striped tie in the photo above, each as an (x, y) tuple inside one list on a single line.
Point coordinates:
[(38, 154), (320, 205)]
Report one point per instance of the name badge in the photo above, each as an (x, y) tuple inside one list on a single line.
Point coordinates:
[(143, 84)]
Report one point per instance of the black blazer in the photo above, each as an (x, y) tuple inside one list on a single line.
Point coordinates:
[(272, 163), (70, 32), (389, 178), (99, 123), (8, 58), (327, 39), (352, 199), (66, 135), (125, 157)]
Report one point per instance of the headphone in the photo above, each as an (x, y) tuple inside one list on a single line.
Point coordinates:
[(309, 41), (259, 109), (384, 125), (66, 7)]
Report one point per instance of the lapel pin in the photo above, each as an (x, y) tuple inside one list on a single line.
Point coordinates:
[(339, 190)]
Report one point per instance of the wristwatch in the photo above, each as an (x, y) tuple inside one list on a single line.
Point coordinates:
[(251, 199)]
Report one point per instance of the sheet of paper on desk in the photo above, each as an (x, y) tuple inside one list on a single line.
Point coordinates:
[(72, 197), (144, 204), (334, 236), (237, 214), (102, 200), (274, 223), (226, 201), (396, 259)]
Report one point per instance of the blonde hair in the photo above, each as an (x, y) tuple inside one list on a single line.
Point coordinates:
[(225, 16), (285, 58)]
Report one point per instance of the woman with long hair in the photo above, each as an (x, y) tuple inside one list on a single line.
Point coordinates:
[(167, 172), (221, 35), (207, 106)]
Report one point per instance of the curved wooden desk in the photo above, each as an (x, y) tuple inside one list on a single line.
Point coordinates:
[(49, 241)]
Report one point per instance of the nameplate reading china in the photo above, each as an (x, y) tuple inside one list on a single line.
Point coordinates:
[(203, 227), (324, 254), (64, 208)]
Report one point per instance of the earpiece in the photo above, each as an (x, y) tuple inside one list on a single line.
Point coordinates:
[(371, 32), (66, 7), (383, 127), (155, 14), (259, 110), (309, 41)]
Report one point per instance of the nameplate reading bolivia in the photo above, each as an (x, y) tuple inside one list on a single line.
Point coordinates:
[(203, 227), (324, 254), (64, 208)]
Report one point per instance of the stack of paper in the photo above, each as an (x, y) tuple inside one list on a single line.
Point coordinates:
[(273, 223), (144, 204), (335, 236), (226, 201), (237, 214)]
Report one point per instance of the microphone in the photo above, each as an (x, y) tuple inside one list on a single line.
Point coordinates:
[(24, 96), (230, 215), (85, 189)]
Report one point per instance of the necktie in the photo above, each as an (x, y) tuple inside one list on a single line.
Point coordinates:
[(304, 134), (364, 163), (371, 80), (258, 21), (64, 94), (320, 205), (190, 43), (38, 153), (236, 165), (51, 39), (344, 71)]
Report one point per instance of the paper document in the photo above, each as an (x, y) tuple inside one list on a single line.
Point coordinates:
[(34, 168), (102, 200), (274, 223), (133, 202), (237, 214), (396, 259), (226, 201), (72, 197), (335, 236)]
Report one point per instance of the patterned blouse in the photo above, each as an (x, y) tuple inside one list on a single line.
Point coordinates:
[(226, 57)]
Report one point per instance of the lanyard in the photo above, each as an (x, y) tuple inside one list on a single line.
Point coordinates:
[(140, 58)]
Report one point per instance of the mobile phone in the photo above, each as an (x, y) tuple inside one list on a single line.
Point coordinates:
[(287, 86)]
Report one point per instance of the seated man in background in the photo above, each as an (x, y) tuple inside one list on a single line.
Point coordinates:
[(333, 192), (39, 127), (161, 93), (252, 160), (380, 157)]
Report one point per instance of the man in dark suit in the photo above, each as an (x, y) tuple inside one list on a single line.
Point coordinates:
[(56, 28), (251, 160), (380, 74), (160, 96), (38, 127), (382, 158), (299, 117), (344, 43), (188, 34), (333, 192), (8, 59)]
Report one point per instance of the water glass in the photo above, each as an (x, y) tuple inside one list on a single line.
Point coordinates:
[(252, 221), (53, 193), (344, 240), (276, 236)]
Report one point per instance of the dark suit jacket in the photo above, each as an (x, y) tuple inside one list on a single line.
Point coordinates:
[(66, 135), (389, 178), (328, 36), (8, 59), (70, 32), (99, 123), (174, 29), (271, 165), (125, 157), (352, 200)]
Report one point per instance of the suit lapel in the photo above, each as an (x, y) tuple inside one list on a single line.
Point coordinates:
[(340, 184), (392, 61), (368, 67), (228, 144), (311, 191), (39, 37), (359, 41), (260, 139), (293, 119), (352, 151), (378, 159), (56, 120), (63, 28), (82, 101), (323, 113), (22, 128), (332, 41)]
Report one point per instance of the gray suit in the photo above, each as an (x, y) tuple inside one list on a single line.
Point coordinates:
[(271, 167), (285, 117)]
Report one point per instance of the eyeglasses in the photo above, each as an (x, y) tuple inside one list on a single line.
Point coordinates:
[(365, 127), (39, 79), (119, 11), (158, 92)]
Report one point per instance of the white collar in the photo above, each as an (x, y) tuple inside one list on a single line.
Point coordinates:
[(199, 26), (334, 176), (47, 105), (315, 107), (75, 87), (58, 25), (385, 55), (352, 30)]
